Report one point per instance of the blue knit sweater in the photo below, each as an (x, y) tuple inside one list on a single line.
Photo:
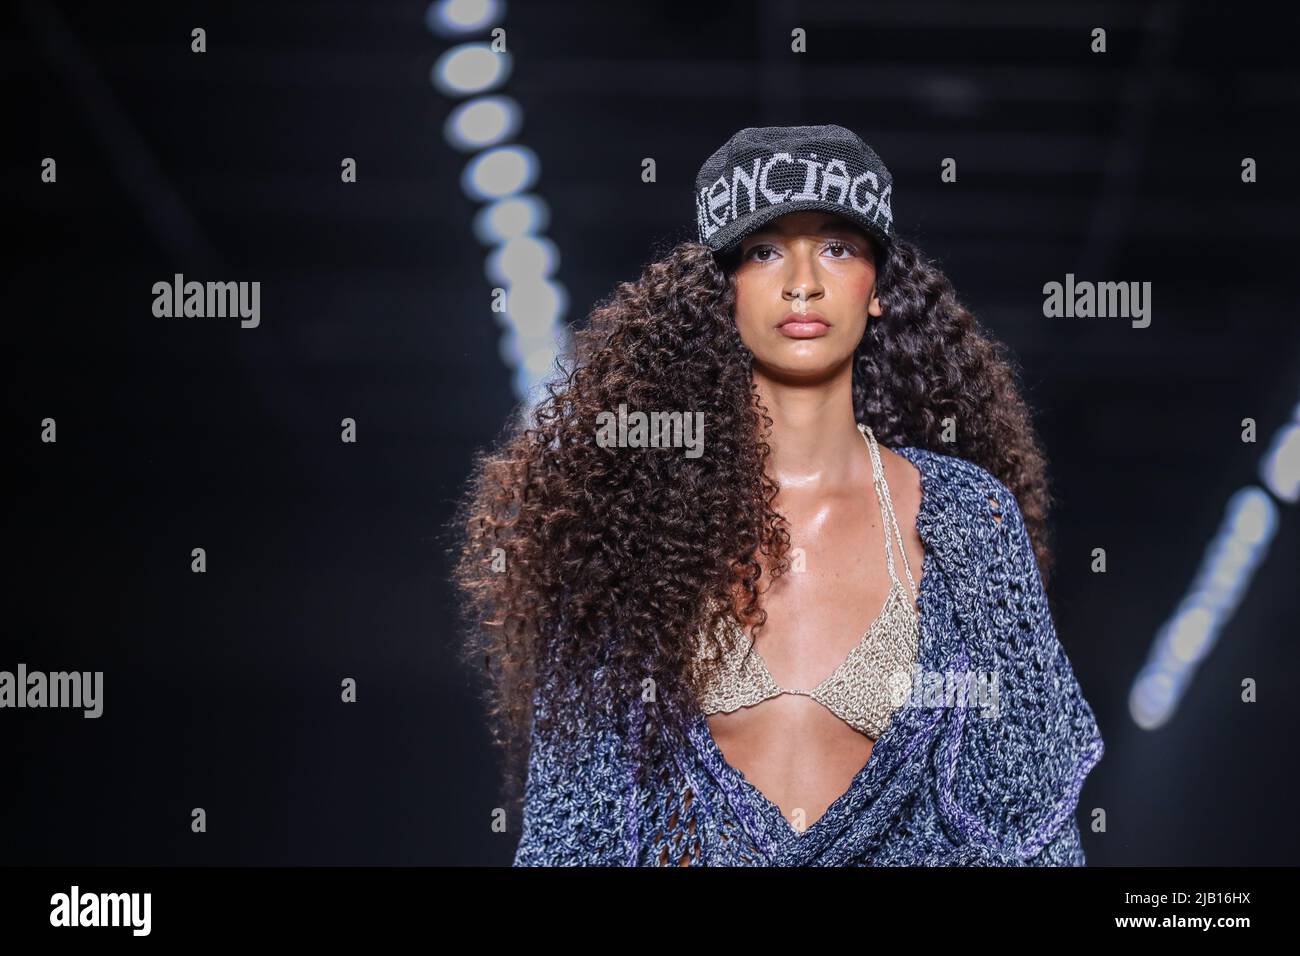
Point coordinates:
[(949, 782)]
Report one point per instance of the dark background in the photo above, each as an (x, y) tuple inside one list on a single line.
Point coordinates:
[(326, 560)]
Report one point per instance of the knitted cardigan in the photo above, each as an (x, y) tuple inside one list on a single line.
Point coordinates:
[(947, 783)]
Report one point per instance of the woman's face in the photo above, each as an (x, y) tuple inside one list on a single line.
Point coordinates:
[(817, 257)]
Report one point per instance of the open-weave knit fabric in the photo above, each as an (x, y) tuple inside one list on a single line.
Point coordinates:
[(946, 785)]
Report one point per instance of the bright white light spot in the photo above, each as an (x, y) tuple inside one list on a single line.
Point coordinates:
[(470, 68), (511, 217), (525, 259), (1191, 634), (500, 172), (449, 18), (482, 122), (536, 305), (1255, 518), (1280, 469)]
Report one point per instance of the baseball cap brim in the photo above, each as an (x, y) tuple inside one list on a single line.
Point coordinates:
[(729, 236)]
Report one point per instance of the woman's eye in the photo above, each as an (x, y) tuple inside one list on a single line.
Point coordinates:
[(756, 250)]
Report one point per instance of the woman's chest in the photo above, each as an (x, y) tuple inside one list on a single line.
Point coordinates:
[(799, 756)]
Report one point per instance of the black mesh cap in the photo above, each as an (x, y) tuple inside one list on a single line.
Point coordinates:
[(762, 173)]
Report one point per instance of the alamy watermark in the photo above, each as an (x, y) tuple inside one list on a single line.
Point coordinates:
[(74, 689), (208, 300), (651, 430), (1128, 300), (75, 908), (922, 688)]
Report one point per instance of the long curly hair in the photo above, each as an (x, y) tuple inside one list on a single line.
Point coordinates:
[(602, 566)]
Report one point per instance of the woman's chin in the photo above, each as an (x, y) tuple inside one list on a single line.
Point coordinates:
[(805, 362)]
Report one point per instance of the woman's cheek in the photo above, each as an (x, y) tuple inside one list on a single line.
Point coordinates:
[(861, 285)]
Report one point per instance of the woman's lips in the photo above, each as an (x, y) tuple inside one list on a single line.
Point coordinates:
[(808, 325), (804, 330)]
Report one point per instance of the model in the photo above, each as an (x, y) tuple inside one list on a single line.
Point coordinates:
[(762, 581)]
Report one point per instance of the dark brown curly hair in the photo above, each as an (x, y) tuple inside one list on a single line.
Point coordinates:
[(601, 565)]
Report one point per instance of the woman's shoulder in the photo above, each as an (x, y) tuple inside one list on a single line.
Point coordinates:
[(950, 469), (956, 489)]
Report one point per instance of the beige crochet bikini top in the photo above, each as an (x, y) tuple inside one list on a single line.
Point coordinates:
[(868, 685)]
